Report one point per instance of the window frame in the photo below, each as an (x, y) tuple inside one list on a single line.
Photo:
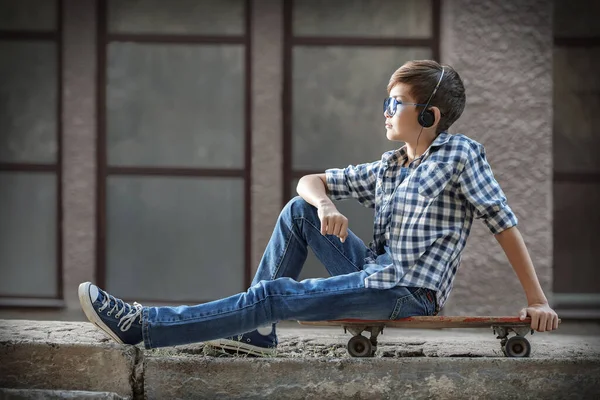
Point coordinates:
[(56, 36), (104, 38), (573, 304)]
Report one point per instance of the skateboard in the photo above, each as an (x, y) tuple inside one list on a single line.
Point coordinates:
[(361, 346)]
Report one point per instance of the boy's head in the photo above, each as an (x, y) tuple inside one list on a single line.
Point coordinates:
[(414, 82)]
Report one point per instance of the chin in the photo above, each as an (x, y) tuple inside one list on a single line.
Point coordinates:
[(393, 136)]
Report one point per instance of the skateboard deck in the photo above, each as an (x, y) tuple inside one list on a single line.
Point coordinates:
[(361, 346)]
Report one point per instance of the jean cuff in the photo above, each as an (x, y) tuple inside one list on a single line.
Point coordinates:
[(146, 328)]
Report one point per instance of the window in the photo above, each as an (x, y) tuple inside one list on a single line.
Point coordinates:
[(576, 162), (174, 149), (338, 57), (30, 153)]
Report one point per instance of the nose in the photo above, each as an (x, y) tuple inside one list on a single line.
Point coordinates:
[(385, 114)]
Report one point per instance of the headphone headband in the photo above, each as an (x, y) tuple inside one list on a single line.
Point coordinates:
[(426, 117), (435, 89)]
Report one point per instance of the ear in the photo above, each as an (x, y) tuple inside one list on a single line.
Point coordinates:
[(437, 114)]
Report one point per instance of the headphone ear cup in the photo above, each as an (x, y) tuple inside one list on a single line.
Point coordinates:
[(426, 119)]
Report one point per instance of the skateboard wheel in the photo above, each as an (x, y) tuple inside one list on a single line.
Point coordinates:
[(360, 346), (517, 346)]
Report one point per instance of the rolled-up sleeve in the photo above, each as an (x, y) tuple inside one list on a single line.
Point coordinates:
[(354, 181), (482, 191)]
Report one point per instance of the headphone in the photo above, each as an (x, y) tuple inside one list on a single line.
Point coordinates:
[(427, 117)]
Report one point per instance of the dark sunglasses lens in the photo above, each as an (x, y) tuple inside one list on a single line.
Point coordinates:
[(389, 106)]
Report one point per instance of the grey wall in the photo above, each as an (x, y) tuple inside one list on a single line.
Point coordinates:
[(503, 51), (79, 146), (267, 86)]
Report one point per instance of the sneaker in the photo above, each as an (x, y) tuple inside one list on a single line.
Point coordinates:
[(119, 320), (260, 342)]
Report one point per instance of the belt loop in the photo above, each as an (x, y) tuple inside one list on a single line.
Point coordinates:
[(433, 298), (429, 295)]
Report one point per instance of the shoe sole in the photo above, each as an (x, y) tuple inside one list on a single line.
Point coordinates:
[(240, 347), (90, 313)]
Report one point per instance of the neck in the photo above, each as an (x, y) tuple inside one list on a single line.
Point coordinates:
[(415, 151)]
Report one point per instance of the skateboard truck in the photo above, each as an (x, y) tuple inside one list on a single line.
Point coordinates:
[(359, 345), (515, 346)]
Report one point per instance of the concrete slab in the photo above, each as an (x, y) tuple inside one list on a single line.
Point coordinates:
[(377, 378), (65, 356), (41, 394)]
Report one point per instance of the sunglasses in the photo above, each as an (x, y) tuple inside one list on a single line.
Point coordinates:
[(391, 104)]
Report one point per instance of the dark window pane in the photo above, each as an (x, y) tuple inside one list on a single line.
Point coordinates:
[(28, 242), (338, 92), (576, 250), (576, 101), (28, 96), (28, 15), (175, 238), (576, 18), (363, 18), (175, 105), (177, 16)]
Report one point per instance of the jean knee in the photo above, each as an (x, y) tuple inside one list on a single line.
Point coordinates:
[(297, 207)]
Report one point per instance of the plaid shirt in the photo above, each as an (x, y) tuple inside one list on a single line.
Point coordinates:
[(424, 212)]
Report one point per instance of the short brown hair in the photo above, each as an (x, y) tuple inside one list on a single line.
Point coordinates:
[(422, 76)]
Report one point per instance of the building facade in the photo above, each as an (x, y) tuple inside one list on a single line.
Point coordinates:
[(149, 146)]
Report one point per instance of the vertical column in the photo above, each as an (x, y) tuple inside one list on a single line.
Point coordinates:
[(79, 145), (509, 111), (267, 59)]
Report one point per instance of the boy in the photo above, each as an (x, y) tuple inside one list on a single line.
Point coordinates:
[(425, 197)]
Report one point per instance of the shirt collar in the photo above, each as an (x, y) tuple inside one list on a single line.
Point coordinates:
[(400, 154), (441, 139)]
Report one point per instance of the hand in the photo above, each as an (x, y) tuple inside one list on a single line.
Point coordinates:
[(543, 318), (333, 222)]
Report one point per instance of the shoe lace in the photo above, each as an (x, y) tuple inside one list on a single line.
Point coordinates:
[(132, 311)]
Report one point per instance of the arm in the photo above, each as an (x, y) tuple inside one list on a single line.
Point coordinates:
[(483, 193), (543, 318), (313, 189), (354, 181)]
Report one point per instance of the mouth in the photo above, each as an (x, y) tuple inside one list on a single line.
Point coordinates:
[(388, 126)]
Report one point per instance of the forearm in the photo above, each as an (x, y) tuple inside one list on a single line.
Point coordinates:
[(514, 247), (312, 189)]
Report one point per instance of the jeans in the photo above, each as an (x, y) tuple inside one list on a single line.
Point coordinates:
[(276, 295)]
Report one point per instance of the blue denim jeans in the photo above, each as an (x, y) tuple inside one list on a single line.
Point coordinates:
[(276, 295)]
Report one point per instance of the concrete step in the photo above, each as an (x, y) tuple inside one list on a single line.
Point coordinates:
[(310, 363), (41, 394)]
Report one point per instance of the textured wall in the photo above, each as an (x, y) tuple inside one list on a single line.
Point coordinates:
[(267, 157), (503, 51), (79, 146)]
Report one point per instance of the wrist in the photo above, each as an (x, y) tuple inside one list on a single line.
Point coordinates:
[(538, 301), (325, 203)]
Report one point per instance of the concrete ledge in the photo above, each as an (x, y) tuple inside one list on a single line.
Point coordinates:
[(64, 356), (378, 378), (313, 363), (67, 367), (40, 394)]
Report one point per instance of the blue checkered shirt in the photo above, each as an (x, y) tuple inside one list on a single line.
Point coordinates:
[(424, 212)]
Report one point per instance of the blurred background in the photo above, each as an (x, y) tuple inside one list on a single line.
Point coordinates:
[(148, 146)]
